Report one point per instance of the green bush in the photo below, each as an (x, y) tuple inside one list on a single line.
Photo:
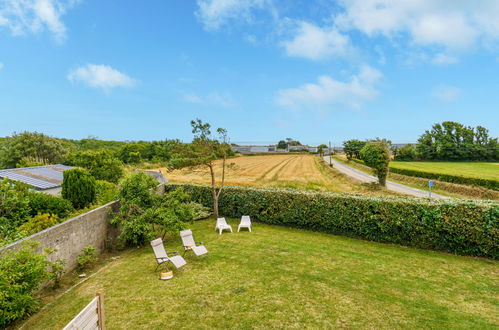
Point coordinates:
[(79, 187), (102, 165), (106, 192), (136, 196), (458, 226), (38, 223), (21, 273), (45, 203), (486, 183), (376, 155), (87, 257), (143, 213)]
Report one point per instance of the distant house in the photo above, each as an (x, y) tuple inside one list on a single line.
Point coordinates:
[(47, 178), (254, 149), (272, 149)]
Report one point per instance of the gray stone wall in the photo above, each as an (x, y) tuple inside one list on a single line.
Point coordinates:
[(71, 236)]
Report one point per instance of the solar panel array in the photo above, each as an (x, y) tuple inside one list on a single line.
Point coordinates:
[(39, 171)]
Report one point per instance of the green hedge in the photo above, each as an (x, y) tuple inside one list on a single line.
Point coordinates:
[(458, 226), (487, 183)]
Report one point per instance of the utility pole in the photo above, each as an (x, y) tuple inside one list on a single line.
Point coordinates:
[(330, 161)]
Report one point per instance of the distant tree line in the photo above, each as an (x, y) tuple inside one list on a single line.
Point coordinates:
[(33, 148), (448, 141), (451, 141)]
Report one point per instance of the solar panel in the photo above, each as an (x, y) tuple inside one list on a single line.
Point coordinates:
[(37, 183)]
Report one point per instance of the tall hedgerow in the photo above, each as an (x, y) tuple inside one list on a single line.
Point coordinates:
[(79, 187), (466, 227)]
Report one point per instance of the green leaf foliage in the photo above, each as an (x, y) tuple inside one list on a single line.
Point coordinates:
[(463, 227), (352, 148), (38, 223), (106, 192), (100, 164), (21, 273), (376, 155), (45, 203), (486, 183), (143, 213), (30, 145), (79, 187)]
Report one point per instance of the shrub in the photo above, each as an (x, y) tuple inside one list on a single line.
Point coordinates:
[(38, 223), (88, 256), (31, 145), (136, 196), (100, 164), (79, 187), (21, 273), (352, 148), (14, 203), (405, 153), (106, 192), (45, 203), (486, 183), (376, 155), (142, 211), (458, 226)]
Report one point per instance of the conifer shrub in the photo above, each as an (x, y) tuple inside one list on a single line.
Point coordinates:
[(79, 187)]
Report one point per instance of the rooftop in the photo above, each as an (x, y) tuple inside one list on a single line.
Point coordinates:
[(39, 177)]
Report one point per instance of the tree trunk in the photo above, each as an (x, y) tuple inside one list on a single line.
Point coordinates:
[(215, 204), (214, 194)]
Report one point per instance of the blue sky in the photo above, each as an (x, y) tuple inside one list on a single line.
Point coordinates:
[(315, 71)]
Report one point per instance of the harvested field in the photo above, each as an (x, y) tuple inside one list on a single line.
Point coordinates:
[(292, 171)]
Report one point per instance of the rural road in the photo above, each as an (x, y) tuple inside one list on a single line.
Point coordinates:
[(364, 177)]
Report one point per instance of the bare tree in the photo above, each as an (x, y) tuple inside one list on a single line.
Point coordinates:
[(204, 151)]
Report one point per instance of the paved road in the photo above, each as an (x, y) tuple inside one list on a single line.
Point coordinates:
[(364, 177)]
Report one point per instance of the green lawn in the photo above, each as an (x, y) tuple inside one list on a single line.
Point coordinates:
[(278, 277), (466, 169)]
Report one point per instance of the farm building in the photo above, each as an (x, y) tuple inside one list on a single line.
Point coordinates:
[(47, 178), (254, 149), (266, 149)]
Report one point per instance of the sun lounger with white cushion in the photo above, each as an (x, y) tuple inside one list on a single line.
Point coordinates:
[(162, 256), (190, 244)]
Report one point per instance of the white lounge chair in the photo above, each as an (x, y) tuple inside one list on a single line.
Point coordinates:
[(162, 256), (245, 223), (190, 244), (222, 225)]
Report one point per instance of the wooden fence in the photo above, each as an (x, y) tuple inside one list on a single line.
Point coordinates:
[(91, 317)]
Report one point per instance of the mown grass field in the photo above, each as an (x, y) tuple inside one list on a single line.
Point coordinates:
[(291, 171), (465, 169), (277, 277)]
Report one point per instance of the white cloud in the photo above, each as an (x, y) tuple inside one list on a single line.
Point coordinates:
[(446, 93), (444, 59), (1, 65), (215, 13), (328, 92), (192, 98), (100, 76), (33, 16), (316, 43), (448, 23), (224, 100)]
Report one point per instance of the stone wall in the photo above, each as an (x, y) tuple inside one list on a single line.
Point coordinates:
[(71, 236)]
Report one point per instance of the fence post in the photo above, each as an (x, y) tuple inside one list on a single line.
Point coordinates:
[(100, 309)]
